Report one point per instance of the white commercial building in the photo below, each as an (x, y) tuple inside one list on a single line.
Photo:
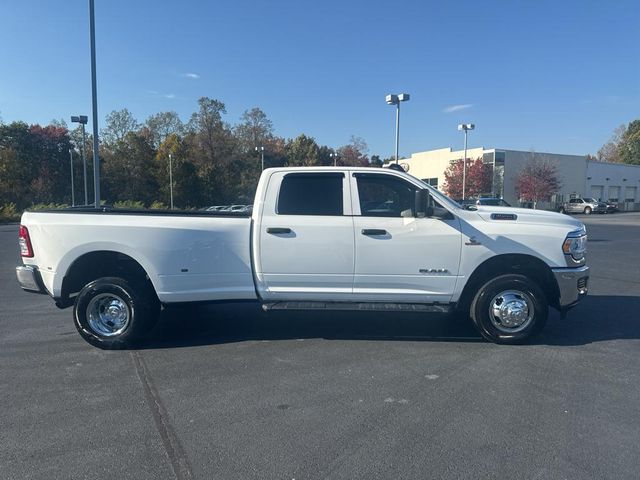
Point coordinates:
[(578, 175)]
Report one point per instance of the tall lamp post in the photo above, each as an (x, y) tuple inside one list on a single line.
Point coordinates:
[(335, 158), (395, 100), (170, 182), (261, 150), (82, 120), (73, 192), (465, 127), (94, 105)]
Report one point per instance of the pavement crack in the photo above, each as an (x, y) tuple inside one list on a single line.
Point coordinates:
[(176, 453)]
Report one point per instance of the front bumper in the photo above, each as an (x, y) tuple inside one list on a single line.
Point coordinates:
[(573, 284), (29, 278)]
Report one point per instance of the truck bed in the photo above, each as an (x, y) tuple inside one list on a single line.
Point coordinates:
[(188, 256)]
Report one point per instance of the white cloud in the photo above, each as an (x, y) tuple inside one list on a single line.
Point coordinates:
[(457, 108), (193, 76), (156, 93)]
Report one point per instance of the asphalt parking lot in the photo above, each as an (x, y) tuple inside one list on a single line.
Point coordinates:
[(227, 391)]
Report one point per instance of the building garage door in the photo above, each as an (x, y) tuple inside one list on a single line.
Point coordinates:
[(597, 191), (614, 194), (630, 194)]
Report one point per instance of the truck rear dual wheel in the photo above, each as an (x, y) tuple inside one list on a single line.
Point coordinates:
[(113, 313), (509, 309)]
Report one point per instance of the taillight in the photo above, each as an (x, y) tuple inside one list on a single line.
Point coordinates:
[(26, 250)]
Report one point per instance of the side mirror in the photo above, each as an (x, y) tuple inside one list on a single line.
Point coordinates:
[(423, 207)]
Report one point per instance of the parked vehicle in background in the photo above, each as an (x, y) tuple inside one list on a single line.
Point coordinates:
[(472, 203), (466, 203), (612, 207), (330, 238), (492, 201), (237, 208), (586, 205)]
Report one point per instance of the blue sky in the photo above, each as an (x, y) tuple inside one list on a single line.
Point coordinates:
[(555, 76)]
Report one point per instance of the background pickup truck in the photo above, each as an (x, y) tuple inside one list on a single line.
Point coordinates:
[(317, 238)]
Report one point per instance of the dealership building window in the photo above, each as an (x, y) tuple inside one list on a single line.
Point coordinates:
[(431, 181)]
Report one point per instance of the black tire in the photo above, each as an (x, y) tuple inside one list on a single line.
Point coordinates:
[(112, 313), (521, 293), (587, 210)]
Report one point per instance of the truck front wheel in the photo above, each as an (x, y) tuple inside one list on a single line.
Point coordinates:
[(509, 309), (112, 313)]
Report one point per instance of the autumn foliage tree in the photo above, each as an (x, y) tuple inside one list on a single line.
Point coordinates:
[(537, 181), (478, 178), (34, 164), (353, 154)]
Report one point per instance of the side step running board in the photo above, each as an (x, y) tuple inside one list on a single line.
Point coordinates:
[(369, 306)]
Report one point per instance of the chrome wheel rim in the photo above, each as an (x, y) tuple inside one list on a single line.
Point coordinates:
[(108, 315), (511, 311)]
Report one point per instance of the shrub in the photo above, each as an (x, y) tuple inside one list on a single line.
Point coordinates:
[(9, 213), (47, 206), (130, 204), (158, 206)]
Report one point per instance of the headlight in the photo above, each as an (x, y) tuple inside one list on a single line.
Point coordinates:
[(575, 245)]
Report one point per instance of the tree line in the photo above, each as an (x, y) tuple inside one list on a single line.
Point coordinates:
[(623, 146), (213, 161)]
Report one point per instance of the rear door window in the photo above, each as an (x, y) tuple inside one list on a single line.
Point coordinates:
[(311, 194)]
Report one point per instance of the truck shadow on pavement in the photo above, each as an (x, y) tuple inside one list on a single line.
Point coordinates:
[(596, 319)]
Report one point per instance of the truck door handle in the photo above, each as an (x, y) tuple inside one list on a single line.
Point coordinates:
[(373, 231), (276, 230)]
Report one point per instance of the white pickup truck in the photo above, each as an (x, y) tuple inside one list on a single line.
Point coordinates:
[(317, 238)]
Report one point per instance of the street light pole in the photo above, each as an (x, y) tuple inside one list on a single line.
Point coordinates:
[(465, 127), (73, 194), (84, 161), (82, 120), (171, 181), (464, 166), (395, 100), (397, 130), (335, 158), (94, 104), (261, 150)]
